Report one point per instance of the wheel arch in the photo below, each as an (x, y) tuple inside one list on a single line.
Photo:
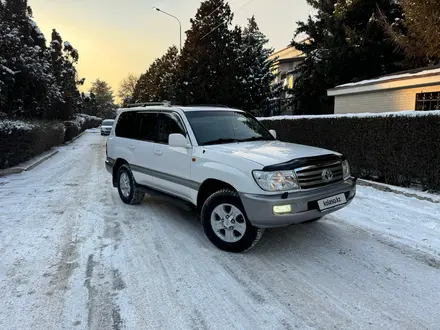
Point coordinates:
[(207, 188), (118, 163)]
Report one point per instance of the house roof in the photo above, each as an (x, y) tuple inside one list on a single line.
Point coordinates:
[(286, 53), (404, 79)]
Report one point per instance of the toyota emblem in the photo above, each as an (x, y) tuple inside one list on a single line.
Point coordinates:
[(327, 175)]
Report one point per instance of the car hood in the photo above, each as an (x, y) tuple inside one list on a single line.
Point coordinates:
[(106, 127), (269, 152)]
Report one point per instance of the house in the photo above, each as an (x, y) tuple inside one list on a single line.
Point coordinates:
[(287, 60), (417, 89)]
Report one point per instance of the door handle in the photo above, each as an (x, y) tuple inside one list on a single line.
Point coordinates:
[(131, 147), (158, 152)]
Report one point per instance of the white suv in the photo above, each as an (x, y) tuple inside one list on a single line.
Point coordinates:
[(229, 166)]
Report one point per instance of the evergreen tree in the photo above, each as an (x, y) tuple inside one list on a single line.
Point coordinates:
[(209, 61), (346, 43), (90, 106), (257, 73), (64, 56), (159, 81), (417, 32), (104, 98), (27, 84)]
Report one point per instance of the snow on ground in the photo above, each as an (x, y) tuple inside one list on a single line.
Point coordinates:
[(73, 256)]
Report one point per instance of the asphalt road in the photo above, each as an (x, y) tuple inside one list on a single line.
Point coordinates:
[(73, 256)]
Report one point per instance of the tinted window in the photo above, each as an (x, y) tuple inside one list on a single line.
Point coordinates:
[(148, 126), (127, 126), (169, 123), (107, 122), (213, 127)]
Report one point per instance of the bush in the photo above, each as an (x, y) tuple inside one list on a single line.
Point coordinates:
[(395, 148), (20, 141), (79, 124)]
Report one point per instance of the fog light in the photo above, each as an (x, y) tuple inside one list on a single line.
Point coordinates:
[(280, 209)]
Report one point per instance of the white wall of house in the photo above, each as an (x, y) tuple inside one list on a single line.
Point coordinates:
[(381, 101)]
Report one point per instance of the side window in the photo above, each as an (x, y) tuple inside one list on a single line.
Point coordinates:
[(127, 126), (169, 124), (148, 126)]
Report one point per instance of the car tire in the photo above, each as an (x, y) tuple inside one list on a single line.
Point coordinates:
[(313, 220), (242, 237), (129, 192)]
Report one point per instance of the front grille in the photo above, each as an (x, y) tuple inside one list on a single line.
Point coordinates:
[(312, 176)]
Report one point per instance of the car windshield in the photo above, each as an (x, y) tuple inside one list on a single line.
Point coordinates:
[(107, 122), (215, 127)]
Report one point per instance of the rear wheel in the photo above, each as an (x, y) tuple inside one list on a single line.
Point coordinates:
[(225, 223), (129, 192)]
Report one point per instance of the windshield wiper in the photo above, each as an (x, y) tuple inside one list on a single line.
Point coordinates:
[(219, 141)]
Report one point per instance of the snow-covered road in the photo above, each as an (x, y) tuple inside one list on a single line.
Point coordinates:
[(73, 256)]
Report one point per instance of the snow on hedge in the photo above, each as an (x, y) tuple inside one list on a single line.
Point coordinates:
[(409, 113), (82, 118), (88, 117), (18, 125)]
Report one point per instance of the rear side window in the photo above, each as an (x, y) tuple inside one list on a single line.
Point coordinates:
[(169, 123), (148, 125), (127, 126)]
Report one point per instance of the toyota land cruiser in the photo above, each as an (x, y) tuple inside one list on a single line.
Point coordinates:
[(224, 162)]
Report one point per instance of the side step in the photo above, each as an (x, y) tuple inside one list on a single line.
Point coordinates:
[(171, 199)]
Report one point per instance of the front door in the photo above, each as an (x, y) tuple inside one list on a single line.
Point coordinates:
[(171, 165)]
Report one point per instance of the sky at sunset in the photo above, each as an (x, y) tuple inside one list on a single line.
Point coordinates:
[(116, 37)]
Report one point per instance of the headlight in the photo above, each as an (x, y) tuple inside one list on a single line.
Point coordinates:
[(345, 169), (276, 181)]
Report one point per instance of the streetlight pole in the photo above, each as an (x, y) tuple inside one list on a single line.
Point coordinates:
[(180, 25)]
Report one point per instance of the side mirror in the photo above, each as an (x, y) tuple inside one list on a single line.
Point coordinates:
[(273, 132), (177, 140)]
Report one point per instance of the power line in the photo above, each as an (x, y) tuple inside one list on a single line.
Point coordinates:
[(219, 8), (215, 28)]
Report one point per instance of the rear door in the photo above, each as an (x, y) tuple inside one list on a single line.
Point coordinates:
[(171, 165), (144, 146)]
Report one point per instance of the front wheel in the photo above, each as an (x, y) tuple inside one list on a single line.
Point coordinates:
[(225, 223)]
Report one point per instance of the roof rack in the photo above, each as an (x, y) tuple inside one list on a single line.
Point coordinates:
[(208, 105), (148, 104)]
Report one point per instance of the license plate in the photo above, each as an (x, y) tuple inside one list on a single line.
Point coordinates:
[(331, 202)]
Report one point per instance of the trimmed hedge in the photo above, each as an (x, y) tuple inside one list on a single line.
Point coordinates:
[(399, 149), (20, 141), (79, 124)]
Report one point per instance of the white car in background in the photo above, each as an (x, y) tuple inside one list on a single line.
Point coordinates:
[(106, 126), (226, 164)]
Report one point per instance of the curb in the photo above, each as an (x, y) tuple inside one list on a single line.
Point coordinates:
[(12, 170), (18, 170), (396, 190), (76, 137), (38, 162)]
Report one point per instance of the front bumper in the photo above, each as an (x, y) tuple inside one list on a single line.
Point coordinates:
[(259, 208), (104, 132)]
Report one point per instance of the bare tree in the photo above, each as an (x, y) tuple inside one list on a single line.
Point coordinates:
[(127, 87)]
